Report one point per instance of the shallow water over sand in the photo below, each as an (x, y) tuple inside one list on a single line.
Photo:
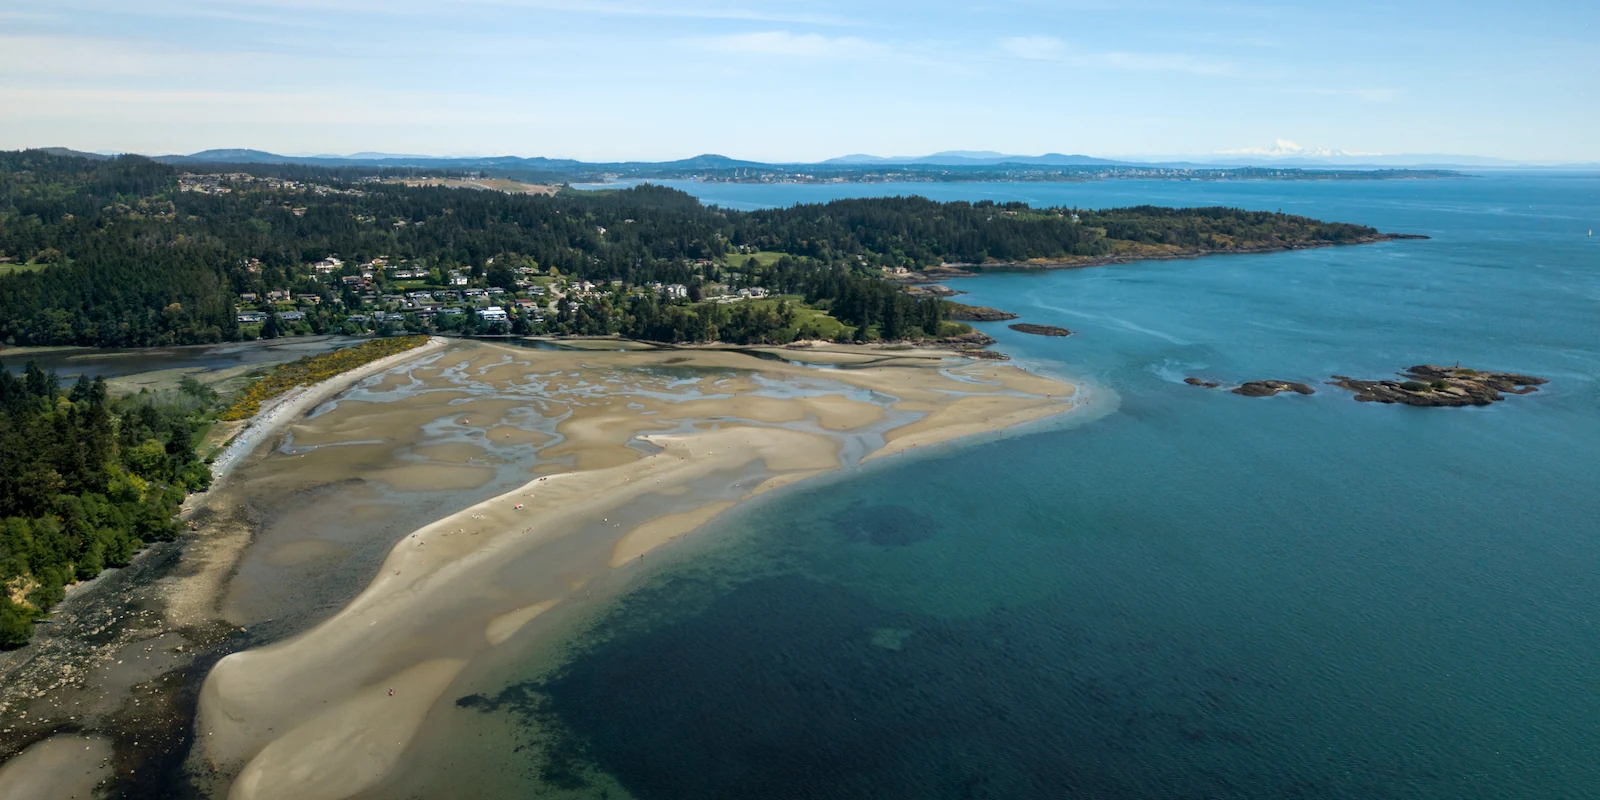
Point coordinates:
[(574, 467), (1200, 595)]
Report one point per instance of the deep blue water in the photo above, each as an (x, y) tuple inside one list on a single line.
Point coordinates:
[(1196, 595)]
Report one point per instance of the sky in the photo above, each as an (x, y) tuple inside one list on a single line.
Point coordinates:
[(802, 81)]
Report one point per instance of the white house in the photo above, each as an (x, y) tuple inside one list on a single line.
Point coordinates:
[(492, 314)]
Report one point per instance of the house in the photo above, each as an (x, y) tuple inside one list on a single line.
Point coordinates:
[(358, 317), (496, 290), (475, 294), (526, 305), (278, 295), (328, 264), (390, 316), (492, 314), (452, 310), (248, 297), (252, 317), (676, 291), (539, 290), (754, 292), (292, 316), (458, 279), (313, 299)]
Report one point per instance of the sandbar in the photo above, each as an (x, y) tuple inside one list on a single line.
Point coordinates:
[(634, 450)]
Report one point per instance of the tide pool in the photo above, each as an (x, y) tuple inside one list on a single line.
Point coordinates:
[(1180, 593)]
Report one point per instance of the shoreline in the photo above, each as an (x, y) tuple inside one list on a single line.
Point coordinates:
[(189, 579), (77, 665), (312, 711), (1109, 260)]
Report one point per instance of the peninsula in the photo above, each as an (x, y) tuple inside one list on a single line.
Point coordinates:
[(267, 250)]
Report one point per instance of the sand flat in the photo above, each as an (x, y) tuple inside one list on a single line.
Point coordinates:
[(661, 530), (627, 432)]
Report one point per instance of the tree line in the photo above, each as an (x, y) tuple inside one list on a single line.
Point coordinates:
[(85, 481), (111, 252)]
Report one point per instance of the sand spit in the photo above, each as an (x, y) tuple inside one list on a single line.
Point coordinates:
[(646, 447), (194, 598), (133, 632), (292, 405)]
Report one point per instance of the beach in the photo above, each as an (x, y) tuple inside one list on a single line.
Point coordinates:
[(635, 450), (135, 630)]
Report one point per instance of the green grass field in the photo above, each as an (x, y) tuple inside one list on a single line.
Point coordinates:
[(763, 257), (8, 267), (826, 326)]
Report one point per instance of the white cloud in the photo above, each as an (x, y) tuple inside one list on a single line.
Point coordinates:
[(1283, 148), (804, 45), (1373, 95), (1049, 48), (264, 9)]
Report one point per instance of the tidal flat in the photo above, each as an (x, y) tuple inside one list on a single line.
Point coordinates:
[(453, 505)]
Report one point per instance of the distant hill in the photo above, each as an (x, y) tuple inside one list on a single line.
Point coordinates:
[(975, 158), (537, 163), (67, 151)]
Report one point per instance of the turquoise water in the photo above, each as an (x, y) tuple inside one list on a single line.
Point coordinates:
[(1186, 594)]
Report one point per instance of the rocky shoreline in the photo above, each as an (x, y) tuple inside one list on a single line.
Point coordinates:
[(1269, 388), (1039, 330), (1430, 385), (965, 313), (1426, 385), (964, 270)]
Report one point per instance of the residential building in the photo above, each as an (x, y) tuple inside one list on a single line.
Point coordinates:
[(492, 314)]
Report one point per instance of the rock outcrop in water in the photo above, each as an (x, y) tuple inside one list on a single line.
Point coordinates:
[(1039, 330), (1201, 383), (966, 313), (1432, 385), (1270, 388)]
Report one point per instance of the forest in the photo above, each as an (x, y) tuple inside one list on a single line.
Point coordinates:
[(85, 481), (113, 252)]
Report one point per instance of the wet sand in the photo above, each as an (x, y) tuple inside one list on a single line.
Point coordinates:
[(58, 768), (632, 451), (122, 652), (331, 561)]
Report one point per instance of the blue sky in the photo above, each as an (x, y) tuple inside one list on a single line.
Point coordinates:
[(659, 79)]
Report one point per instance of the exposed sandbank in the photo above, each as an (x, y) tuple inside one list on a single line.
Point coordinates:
[(650, 444)]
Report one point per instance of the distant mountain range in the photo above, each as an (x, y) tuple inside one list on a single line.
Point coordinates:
[(956, 159), (537, 163)]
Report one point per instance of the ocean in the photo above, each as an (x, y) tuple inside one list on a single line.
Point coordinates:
[(1172, 592)]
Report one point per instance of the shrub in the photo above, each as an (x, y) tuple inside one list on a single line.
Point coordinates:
[(1414, 386), (313, 369)]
